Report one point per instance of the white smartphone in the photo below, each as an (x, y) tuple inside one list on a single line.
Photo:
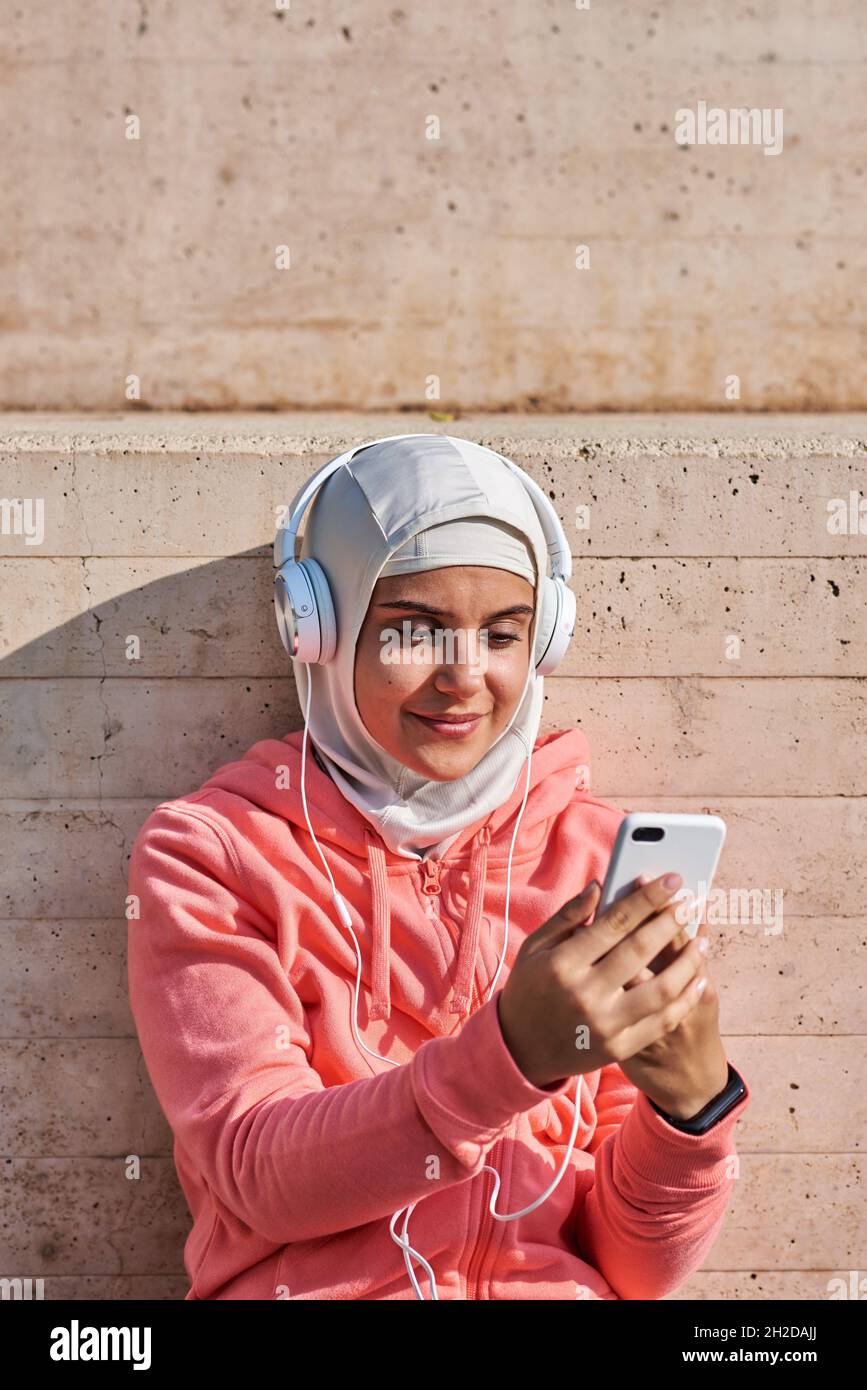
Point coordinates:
[(653, 842)]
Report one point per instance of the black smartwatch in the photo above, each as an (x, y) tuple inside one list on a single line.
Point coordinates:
[(733, 1091)]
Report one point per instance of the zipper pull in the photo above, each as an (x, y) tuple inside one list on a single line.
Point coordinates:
[(431, 883)]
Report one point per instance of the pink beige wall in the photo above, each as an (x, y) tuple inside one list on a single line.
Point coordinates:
[(430, 171), (718, 665)]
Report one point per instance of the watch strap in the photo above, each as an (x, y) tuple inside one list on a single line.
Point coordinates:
[(733, 1091)]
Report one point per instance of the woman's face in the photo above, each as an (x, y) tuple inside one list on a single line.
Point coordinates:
[(471, 656)]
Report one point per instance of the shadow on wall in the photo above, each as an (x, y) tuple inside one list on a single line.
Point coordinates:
[(134, 699)]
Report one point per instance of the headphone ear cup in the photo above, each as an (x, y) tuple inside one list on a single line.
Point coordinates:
[(305, 611), (547, 622), (323, 615), (556, 625), (281, 608)]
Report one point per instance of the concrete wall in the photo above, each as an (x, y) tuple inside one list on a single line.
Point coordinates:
[(155, 158), (700, 531)]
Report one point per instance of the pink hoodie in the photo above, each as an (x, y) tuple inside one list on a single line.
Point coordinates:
[(294, 1147)]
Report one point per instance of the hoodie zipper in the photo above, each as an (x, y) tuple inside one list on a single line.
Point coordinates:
[(483, 1241), (432, 887), (431, 883)]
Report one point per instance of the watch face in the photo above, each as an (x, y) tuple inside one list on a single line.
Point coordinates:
[(728, 1098), (733, 1091)]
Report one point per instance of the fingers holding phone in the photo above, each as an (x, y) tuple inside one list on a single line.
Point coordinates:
[(564, 1008)]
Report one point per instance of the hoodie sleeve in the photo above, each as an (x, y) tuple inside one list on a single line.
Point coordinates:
[(615, 1097), (227, 1045), (659, 1196)]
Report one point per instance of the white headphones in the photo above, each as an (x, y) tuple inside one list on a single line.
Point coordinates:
[(305, 608)]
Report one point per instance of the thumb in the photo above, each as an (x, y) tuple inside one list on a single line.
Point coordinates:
[(575, 912)]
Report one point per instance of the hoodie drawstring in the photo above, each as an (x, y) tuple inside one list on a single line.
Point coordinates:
[(470, 932), (381, 946), (381, 1002)]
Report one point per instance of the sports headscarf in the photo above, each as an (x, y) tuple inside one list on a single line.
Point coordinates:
[(397, 507)]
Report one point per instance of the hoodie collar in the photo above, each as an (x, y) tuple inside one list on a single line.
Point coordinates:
[(381, 931), (268, 778)]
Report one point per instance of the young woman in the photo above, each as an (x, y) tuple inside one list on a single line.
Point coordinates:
[(399, 1056)]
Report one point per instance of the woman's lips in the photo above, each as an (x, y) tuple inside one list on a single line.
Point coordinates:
[(447, 728)]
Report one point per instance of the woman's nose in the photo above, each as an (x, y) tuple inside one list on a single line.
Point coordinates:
[(464, 664)]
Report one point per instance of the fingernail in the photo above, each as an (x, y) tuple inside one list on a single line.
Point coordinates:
[(703, 944), (701, 984), (671, 881)]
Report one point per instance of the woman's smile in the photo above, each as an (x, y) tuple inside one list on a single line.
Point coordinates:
[(451, 727)]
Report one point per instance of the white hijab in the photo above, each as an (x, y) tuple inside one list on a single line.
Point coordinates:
[(398, 507)]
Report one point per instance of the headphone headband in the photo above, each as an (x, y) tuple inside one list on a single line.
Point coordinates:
[(559, 553)]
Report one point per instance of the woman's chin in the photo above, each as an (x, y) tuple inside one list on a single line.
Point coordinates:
[(441, 764)]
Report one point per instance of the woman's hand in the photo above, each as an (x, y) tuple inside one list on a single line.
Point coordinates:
[(686, 1068), (576, 998)]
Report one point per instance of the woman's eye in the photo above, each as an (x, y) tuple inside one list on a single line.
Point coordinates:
[(499, 639)]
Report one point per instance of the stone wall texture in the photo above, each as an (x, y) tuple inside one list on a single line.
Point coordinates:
[(220, 206), (719, 664)]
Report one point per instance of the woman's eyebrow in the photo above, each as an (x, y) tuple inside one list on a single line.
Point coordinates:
[(415, 606)]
